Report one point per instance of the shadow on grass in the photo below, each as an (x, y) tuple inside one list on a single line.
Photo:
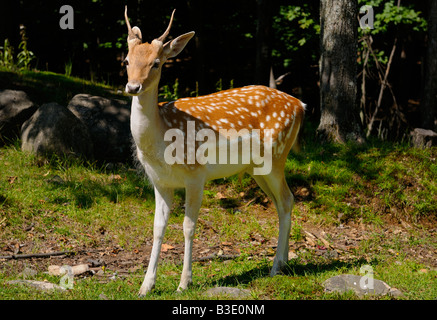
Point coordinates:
[(293, 269), (88, 192), (363, 160)]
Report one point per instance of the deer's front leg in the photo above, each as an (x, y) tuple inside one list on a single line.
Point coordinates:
[(193, 200), (163, 201)]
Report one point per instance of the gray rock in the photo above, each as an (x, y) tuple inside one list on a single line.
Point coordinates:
[(56, 180), (102, 296), (108, 121), (228, 291), (359, 285), (15, 109), (396, 293), (53, 129), (40, 285), (422, 138)]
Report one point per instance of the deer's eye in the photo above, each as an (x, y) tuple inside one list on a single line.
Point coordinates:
[(126, 62), (156, 64)]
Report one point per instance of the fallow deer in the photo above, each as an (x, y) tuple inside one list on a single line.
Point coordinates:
[(261, 113)]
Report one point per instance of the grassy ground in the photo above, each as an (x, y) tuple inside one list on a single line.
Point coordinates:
[(44, 86), (374, 205)]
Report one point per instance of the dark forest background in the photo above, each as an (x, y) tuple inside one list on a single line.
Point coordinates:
[(237, 43)]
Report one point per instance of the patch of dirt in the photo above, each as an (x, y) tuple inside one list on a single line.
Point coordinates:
[(329, 243)]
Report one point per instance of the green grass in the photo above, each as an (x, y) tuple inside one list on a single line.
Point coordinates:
[(89, 205), (299, 281), (398, 179), (45, 86), (86, 195)]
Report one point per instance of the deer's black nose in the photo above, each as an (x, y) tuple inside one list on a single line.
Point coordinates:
[(133, 88)]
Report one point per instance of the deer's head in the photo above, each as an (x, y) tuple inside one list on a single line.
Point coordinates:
[(145, 60)]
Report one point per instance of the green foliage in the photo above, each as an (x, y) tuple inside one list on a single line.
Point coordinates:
[(296, 231), (68, 67), (219, 85), (393, 25), (24, 56), (297, 29), (7, 55), (170, 94), (389, 15), (295, 26)]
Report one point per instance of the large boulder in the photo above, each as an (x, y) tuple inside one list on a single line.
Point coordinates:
[(53, 129), (108, 121), (15, 109)]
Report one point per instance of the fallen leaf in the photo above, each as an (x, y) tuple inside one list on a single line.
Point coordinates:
[(165, 247), (115, 177), (115, 251), (258, 238), (11, 180), (310, 238), (310, 242), (292, 255), (303, 192), (220, 196)]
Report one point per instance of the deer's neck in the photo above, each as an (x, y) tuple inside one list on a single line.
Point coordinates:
[(146, 123)]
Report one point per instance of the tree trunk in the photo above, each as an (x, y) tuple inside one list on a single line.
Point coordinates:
[(263, 42), (429, 99), (340, 121)]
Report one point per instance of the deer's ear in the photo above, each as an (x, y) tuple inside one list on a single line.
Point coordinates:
[(137, 32), (174, 47), (135, 36)]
